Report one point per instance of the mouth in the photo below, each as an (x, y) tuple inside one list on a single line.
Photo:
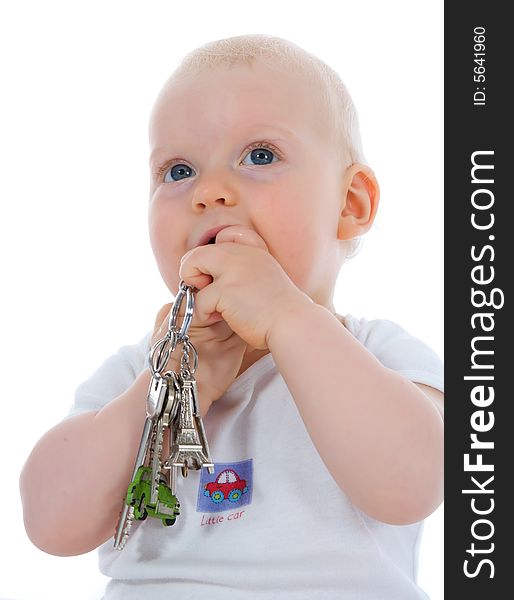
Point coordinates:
[(209, 237)]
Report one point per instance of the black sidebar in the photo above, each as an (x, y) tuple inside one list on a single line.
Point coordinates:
[(479, 267)]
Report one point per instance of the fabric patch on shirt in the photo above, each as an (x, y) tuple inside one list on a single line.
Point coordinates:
[(229, 487)]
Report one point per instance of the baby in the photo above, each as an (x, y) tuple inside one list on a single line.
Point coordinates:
[(259, 193)]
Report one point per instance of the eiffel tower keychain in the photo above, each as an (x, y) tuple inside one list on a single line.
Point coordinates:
[(189, 448), (172, 403)]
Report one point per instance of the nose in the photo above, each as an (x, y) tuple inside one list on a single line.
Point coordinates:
[(214, 188)]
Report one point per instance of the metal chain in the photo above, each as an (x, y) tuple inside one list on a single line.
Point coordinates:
[(185, 367)]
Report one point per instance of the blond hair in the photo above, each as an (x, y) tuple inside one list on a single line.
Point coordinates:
[(343, 125)]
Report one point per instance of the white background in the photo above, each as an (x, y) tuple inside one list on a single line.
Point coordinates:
[(78, 273)]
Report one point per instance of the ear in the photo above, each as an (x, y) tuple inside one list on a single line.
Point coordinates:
[(359, 205)]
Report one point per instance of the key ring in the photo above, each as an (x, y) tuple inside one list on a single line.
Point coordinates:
[(188, 316), (156, 360), (162, 349)]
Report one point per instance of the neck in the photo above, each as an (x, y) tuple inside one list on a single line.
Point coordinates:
[(250, 357)]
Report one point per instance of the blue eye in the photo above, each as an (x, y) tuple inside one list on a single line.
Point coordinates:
[(261, 155), (178, 172)]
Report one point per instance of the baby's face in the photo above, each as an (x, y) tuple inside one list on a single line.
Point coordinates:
[(248, 146)]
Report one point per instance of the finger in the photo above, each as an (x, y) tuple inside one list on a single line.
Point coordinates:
[(201, 266), (202, 277), (196, 267), (195, 278), (240, 234), (206, 304), (206, 268)]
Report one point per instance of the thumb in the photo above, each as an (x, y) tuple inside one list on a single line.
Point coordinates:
[(241, 234)]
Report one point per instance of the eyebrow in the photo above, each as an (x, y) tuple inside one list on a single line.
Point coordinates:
[(258, 129)]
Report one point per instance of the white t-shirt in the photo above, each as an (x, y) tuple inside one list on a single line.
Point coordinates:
[(274, 523)]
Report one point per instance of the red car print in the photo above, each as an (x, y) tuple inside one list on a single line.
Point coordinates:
[(226, 486)]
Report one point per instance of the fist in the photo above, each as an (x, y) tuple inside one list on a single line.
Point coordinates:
[(240, 282)]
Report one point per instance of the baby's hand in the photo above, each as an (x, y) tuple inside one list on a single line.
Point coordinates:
[(241, 282), (220, 353)]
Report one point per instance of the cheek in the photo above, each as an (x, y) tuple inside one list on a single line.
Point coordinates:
[(291, 231), (156, 230), (288, 214), (164, 246)]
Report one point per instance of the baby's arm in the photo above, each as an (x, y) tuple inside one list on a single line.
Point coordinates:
[(378, 434), (73, 483)]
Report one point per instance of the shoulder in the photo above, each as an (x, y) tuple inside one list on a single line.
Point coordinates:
[(399, 350), (131, 358), (112, 377), (374, 333)]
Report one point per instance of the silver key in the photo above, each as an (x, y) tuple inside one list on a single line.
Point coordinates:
[(156, 452), (164, 422), (156, 396), (169, 420), (127, 512)]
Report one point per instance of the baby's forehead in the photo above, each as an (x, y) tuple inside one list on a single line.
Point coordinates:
[(242, 96)]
